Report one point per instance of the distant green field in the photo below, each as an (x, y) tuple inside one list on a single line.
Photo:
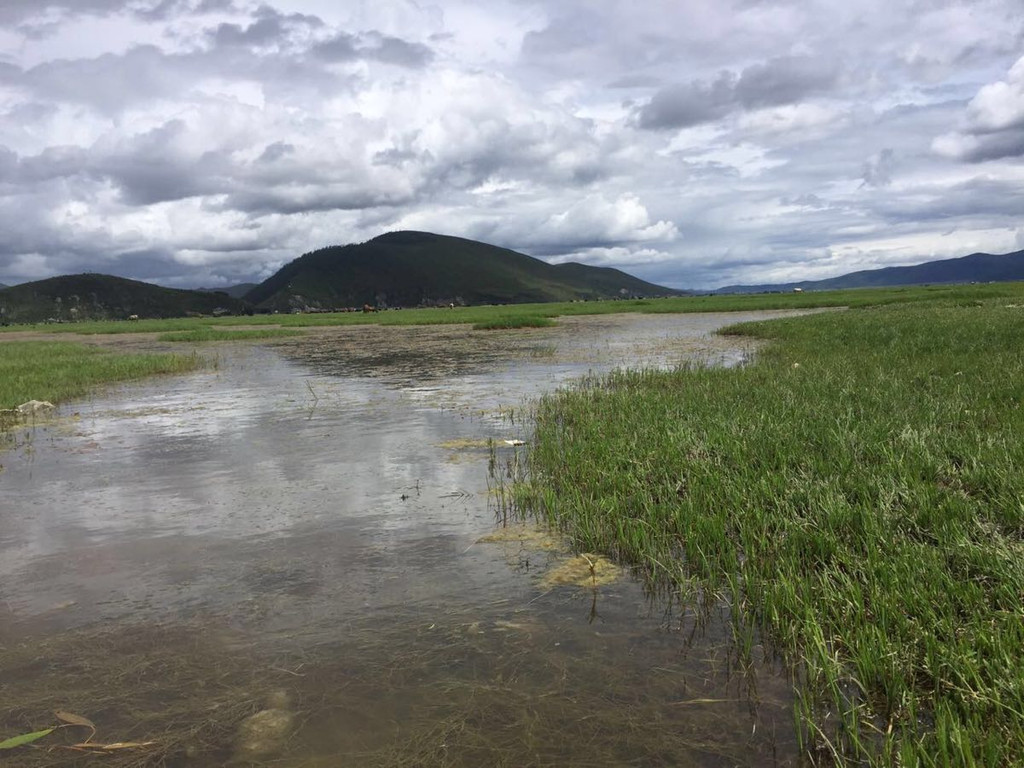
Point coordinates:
[(485, 314), (854, 500)]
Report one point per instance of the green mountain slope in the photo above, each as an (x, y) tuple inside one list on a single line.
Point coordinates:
[(977, 268), (419, 268), (103, 297)]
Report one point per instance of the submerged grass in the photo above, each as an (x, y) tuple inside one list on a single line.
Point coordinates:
[(855, 496), (508, 322), (57, 371), (170, 689), (220, 334)]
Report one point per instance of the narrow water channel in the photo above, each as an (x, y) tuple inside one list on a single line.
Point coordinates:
[(297, 529)]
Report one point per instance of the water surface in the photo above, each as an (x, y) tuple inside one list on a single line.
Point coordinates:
[(299, 525)]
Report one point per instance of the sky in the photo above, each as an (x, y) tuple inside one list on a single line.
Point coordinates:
[(693, 143)]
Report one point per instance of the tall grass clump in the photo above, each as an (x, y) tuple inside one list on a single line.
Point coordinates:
[(57, 371), (856, 496)]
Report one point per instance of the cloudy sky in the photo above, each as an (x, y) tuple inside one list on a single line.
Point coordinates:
[(694, 143)]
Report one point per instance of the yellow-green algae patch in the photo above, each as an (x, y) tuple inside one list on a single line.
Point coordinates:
[(585, 570), (465, 444), (527, 535)]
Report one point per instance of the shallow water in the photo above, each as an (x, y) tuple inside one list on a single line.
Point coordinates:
[(302, 521)]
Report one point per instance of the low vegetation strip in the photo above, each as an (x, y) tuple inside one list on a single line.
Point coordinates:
[(854, 496), (57, 371), (224, 334), (508, 322), (860, 297)]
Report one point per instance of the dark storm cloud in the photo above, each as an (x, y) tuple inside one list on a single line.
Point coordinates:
[(564, 35), (373, 46), (270, 27), (396, 158), (785, 80), (275, 152), (341, 47), (635, 81), (10, 74), (15, 12), (680, 106), (111, 82), (394, 50), (993, 126), (163, 10), (307, 199), (979, 197), (108, 82), (145, 169), (1007, 143)]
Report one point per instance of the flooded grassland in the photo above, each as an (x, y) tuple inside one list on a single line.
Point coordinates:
[(294, 557)]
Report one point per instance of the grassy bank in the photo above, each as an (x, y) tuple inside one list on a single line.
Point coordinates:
[(861, 297), (57, 371), (855, 496)]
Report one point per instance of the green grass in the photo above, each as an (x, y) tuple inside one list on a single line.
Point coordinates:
[(855, 496), (217, 334), (58, 371), (508, 322), (860, 297)]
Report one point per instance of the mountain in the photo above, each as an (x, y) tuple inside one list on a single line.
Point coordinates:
[(235, 291), (407, 269), (976, 268), (104, 297)]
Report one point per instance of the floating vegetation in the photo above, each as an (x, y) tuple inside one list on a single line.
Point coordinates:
[(510, 322), (226, 334), (465, 444), (584, 570), (527, 535)]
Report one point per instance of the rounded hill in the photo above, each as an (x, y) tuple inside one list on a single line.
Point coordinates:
[(407, 268)]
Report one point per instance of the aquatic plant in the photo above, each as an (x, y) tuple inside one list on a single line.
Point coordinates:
[(507, 322)]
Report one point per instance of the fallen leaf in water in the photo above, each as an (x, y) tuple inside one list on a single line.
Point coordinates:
[(72, 719), (114, 746), (25, 738)]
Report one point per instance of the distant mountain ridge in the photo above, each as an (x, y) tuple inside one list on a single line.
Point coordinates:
[(977, 267), (71, 298), (399, 269), (408, 268), (235, 291)]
